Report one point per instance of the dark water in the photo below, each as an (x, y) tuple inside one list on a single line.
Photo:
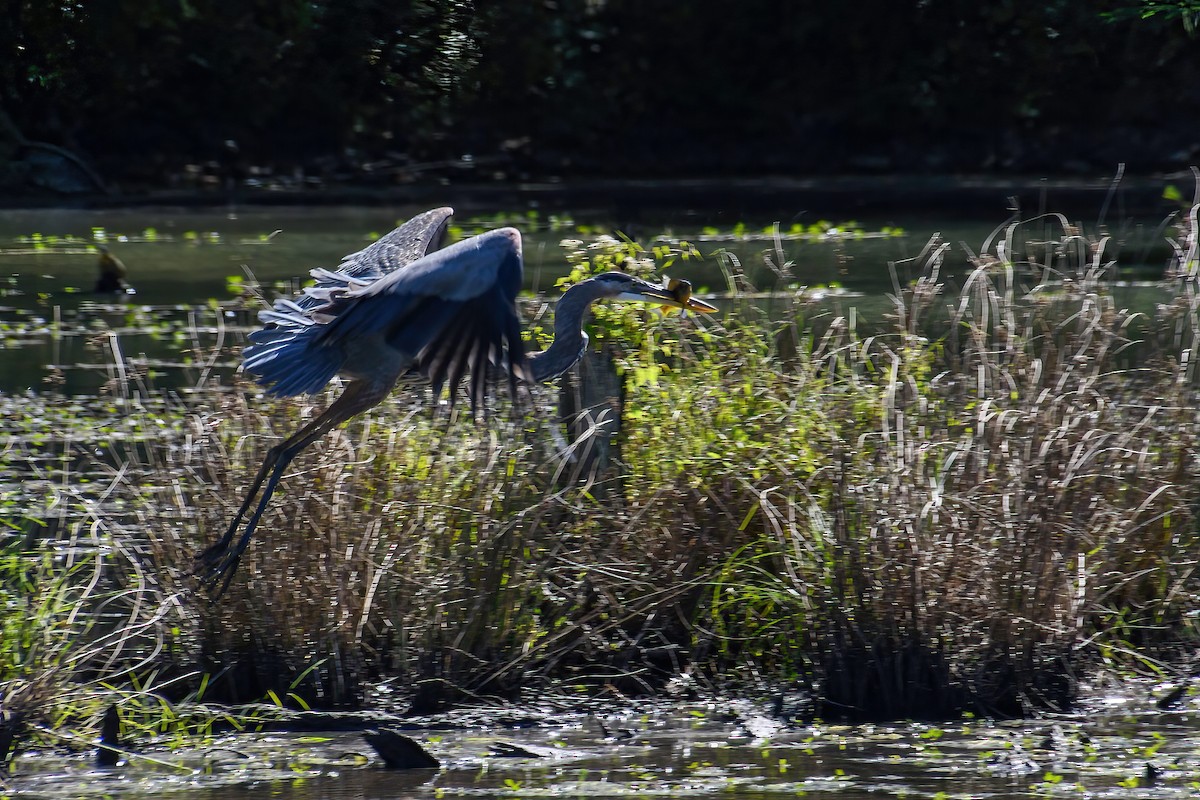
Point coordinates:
[(704, 750), (186, 264)]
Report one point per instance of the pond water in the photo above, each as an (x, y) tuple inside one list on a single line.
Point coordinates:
[(1118, 747), (182, 256), (185, 265)]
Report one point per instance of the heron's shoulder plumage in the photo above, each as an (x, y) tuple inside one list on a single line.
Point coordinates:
[(470, 268), (422, 234)]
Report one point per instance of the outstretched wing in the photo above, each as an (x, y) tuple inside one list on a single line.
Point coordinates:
[(419, 236), (281, 353), (444, 314), (453, 311)]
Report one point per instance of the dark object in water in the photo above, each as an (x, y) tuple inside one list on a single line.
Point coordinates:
[(399, 751), (108, 755), (503, 749), (11, 725), (612, 735), (112, 274), (510, 750), (1172, 698)]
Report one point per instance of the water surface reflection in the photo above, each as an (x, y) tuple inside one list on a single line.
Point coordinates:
[(705, 750)]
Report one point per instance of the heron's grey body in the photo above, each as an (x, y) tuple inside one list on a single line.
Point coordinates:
[(398, 308)]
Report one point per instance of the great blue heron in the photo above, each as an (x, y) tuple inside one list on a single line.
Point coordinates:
[(402, 308)]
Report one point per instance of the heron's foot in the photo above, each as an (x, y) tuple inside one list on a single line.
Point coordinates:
[(217, 563)]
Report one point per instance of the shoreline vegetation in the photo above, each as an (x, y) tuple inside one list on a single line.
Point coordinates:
[(968, 511)]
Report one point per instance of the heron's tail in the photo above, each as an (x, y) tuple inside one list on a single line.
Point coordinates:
[(287, 356)]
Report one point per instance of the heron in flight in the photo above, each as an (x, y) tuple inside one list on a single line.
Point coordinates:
[(403, 308)]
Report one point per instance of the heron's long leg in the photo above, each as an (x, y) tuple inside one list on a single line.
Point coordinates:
[(221, 558)]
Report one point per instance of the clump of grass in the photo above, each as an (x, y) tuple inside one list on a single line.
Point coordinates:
[(407, 556), (84, 627), (1006, 472)]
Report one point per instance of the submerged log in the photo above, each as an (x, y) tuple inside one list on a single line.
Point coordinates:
[(399, 751), (108, 754)]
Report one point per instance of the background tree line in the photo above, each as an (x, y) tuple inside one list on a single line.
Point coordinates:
[(140, 87)]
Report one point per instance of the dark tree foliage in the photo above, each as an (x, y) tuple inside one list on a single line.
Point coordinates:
[(619, 86), (289, 78)]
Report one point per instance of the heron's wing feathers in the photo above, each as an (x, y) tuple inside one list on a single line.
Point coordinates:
[(282, 353), (452, 311), (481, 334), (419, 236)]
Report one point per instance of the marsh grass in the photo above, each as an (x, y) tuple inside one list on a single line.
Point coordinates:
[(962, 510), (86, 627), (1006, 475)]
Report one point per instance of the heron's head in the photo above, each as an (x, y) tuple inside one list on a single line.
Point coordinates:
[(676, 294)]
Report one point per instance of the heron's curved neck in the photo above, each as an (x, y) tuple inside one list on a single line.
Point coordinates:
[(569, 339)]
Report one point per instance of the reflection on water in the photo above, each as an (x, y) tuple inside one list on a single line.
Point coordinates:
[(705, 750)]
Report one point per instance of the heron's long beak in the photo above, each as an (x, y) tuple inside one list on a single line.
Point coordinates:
[(676, 294)]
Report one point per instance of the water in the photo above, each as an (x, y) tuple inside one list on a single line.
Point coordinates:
[(186, 264), (186, 255), (701, 750)]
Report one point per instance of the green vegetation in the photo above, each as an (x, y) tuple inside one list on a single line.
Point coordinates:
[(963, 511), (85, 628), (1186, 11)]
